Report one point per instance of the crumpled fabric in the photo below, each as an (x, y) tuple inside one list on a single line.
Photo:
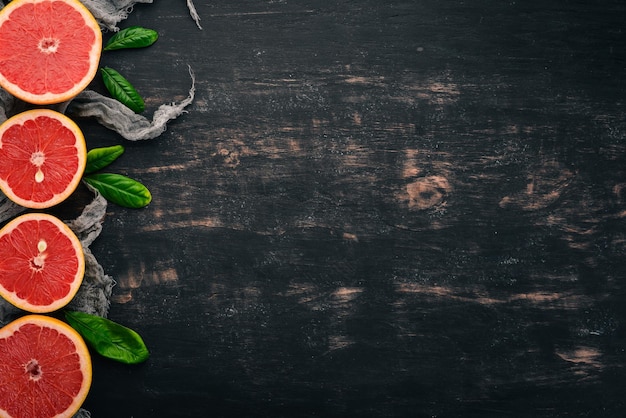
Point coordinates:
[(110, 12), (95, 291), (94, 294), (194, 13), (119, 118)]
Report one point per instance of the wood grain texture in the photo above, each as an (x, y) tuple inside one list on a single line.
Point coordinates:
[(375, 208)]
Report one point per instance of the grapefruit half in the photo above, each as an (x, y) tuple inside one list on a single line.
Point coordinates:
[(42, 263), (49, 49), (43, 155), (45, 368)]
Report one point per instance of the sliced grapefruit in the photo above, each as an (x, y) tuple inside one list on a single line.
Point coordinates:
[(45, 369), (41, 263), (49, 49), (43, 156)]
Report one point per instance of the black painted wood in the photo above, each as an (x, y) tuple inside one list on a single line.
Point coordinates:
[(375, 208)]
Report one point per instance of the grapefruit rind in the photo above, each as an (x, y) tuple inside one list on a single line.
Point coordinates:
[(14, 40), (81, 153), (64, 329), (12, 296)]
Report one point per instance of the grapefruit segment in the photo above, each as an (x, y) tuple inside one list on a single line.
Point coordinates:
[(43, 156), (41, 263), (49, 49), (45, 369)]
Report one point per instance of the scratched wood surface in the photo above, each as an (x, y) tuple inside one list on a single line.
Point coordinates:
[(375, 208)]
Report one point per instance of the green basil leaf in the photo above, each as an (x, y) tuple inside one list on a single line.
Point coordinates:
[(120, 189), (109, 338), (122, 90), (132, 37), (98, 158)]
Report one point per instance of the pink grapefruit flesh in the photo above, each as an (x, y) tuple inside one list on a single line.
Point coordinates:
[(49, 49), (43, 155), (41, 263), (45, 369)]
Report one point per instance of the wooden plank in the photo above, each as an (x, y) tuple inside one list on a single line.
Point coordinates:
[(373, 208)]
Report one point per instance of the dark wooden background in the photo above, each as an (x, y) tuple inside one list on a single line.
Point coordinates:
[(374, 209)]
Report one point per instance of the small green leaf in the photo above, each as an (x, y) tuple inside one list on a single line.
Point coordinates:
[(120, 189), (109, 338), (98, 158), (122, 90), (132, 37)]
